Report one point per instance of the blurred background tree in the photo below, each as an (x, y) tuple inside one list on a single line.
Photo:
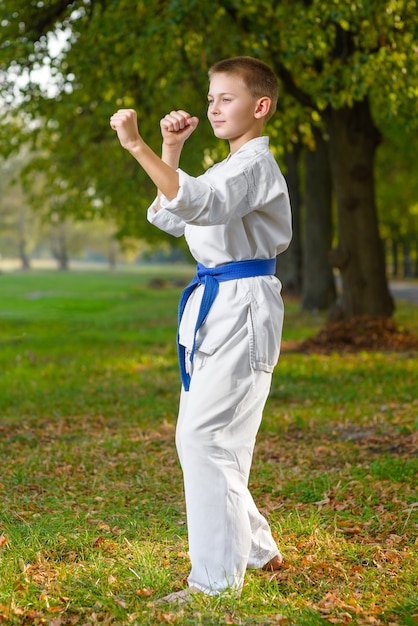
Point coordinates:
[(348, 71)]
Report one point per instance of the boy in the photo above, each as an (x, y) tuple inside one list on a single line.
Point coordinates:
[(236, 220)]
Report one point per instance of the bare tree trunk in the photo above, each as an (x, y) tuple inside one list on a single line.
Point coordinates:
[(289, 264), (59, 246), (359, 257), (24, 259), (113, 253), (21, 227), (318, 285), (416, 259), (395, 258), (407, 261)]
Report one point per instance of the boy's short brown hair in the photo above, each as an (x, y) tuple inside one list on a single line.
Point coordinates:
[(257, 76)]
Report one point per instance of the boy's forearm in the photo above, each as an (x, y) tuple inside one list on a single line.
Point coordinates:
[(176, 127), (162, 171), (171, 156)]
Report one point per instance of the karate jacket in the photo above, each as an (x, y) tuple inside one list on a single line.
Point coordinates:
[(237, 210)]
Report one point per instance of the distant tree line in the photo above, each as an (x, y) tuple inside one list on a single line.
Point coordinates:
[(348, 112)]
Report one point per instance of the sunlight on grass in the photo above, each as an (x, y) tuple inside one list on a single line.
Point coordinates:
[(92, 517)]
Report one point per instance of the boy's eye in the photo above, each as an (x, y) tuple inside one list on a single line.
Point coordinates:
[(210, 102)]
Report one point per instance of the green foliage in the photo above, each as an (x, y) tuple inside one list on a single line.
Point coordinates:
[(397, 184), (155, 56), (341, 52)]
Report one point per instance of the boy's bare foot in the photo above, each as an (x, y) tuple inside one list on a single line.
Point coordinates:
[(274, 564), (180, 597)]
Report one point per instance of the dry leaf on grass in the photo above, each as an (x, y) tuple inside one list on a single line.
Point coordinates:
[(357, 334)]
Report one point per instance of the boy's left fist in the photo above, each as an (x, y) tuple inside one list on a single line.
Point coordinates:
[(125, 123)]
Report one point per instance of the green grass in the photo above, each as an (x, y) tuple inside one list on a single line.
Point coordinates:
[(92, 519)]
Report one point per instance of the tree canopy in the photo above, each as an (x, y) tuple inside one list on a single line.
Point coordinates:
[(348, 64), (155, 56)]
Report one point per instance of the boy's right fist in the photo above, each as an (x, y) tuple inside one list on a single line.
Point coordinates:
[(177, 126)]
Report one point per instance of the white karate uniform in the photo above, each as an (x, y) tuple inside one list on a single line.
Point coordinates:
[(238, 210)]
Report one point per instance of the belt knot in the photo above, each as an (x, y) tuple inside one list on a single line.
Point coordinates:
[(210, 277)]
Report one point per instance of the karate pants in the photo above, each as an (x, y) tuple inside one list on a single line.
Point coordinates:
[(216, 430)]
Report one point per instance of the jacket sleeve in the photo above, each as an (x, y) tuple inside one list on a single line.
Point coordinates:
[(165, 220), (210, 200)]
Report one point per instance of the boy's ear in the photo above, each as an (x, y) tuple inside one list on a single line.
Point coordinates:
[(263, 107)]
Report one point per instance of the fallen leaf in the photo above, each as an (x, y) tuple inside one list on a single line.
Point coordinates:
[(144, 592), (98, 541), (122, 603), (359, 333), (55, 609), (280, 619)]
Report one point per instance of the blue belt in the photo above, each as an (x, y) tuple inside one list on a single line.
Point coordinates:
[(211, 277)]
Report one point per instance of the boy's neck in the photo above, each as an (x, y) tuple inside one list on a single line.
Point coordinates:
[(236, 144)]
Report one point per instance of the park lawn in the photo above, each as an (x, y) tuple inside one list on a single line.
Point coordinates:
[(92, 519)]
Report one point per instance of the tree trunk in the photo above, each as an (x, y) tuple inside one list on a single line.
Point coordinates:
[(318, 285), (112, 253), (59, 246), (22, 244), (395, 261), (416, 259), (359, 257), (407, 261), (24, 259), (289, 264)]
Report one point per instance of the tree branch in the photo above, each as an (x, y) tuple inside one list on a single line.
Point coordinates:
[(43, 20), (288, 81), (282, 72)]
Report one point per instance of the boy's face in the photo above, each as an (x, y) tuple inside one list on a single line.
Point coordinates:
[(232, 110)]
